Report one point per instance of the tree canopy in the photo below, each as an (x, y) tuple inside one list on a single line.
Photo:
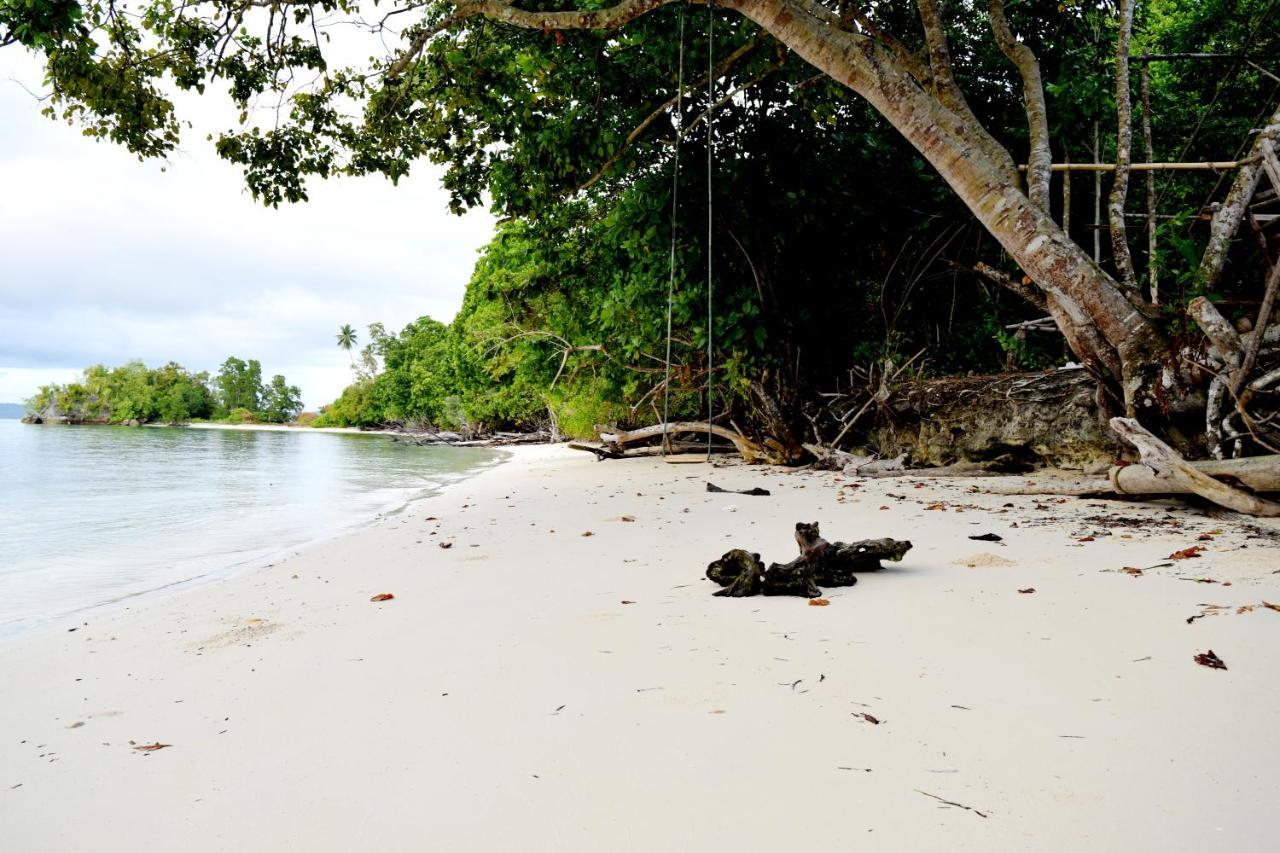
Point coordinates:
[(845, 229)]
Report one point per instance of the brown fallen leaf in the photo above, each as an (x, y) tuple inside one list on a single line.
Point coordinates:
[(718, 711), (1270, 606), (446, 544), (1131, 570), (870, 719), (1086, 539), (588, 533), (1187, 553), (150, 747), (1210, 660), (382, 596), (1028, 590), (627, 518), (627, 601), (818, 602)]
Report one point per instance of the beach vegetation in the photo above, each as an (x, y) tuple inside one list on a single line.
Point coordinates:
[(170, 394)]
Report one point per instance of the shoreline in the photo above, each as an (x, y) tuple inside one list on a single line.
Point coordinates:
[(531, 687), (231, 572)]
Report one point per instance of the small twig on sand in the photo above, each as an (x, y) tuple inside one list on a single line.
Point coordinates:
[(951, 803)]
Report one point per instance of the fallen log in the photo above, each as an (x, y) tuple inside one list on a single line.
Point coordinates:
[(821, 563), (1163, 472), (1165, 460), (749, 450)]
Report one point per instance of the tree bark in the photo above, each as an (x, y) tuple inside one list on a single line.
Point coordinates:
[(1124, 144), (1153, 279), (1040, 158), (1227, 218)]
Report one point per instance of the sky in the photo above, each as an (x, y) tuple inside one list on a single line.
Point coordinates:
[(104, 259)]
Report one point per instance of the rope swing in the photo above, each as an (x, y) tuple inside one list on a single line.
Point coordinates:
[(675, 206)]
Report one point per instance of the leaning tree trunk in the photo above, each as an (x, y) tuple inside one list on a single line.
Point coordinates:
[(1090, 306)]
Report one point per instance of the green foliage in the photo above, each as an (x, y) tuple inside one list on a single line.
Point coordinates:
[(281, 402), (130, 392), (169, 394), (833, 243)]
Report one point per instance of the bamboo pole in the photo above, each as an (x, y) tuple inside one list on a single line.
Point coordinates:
[(1208, 166)]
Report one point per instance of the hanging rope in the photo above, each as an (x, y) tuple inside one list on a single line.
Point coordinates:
[(711, 101), (675, 190)]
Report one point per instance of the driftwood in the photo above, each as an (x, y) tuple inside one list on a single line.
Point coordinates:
[(821, 563), (1257, 473), (1164, 472), (749, 450), (613, 451), (1165, 460), (756, 492)]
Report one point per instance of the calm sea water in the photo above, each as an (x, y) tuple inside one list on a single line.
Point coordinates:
[(94, 515)]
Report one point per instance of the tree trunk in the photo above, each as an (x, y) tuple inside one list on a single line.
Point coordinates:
[(1093, 311), (1227, 218), (1124, 153)]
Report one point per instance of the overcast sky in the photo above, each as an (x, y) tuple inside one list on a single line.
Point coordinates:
[(105, 259)]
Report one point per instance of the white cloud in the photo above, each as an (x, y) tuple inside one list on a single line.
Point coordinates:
[(103, 258)]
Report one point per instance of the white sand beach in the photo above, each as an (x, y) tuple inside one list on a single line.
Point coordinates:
[(535, 688)]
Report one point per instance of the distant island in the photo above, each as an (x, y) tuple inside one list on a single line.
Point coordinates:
[(12, 410), (134, 394)]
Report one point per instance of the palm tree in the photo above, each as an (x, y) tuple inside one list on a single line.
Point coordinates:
[(347, 340)]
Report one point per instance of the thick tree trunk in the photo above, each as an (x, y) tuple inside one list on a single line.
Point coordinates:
[(1092, 309)]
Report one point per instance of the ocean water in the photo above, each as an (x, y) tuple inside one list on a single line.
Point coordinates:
[(96, 515)]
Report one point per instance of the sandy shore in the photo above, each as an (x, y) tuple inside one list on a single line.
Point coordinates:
[(532, 688)]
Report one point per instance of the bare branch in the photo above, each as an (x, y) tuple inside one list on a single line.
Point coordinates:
[(1040, 157), (915, 63), (944, 83), (1124, 141), (1227, 218)]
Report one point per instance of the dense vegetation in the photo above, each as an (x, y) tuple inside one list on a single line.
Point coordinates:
[(134, 393), (835, 244)]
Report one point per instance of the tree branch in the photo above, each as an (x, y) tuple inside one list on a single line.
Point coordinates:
[(1227, 218), (944, 83), (609, 18), (1124, 143), (1040, 157), (724, 66), (915, 63)]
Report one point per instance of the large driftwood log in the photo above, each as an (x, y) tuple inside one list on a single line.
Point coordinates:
[(1164, 472), (1257, 473), (748, 449), (821, 563), (1165, 460)]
